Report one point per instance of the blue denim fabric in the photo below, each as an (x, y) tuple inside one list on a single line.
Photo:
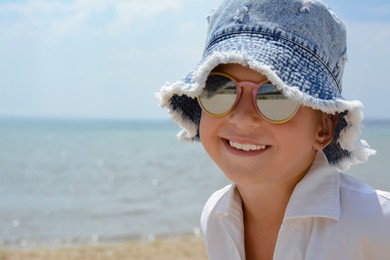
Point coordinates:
[(284, 34), (300, 45)]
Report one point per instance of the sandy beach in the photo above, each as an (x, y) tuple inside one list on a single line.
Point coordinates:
[(188, 248)]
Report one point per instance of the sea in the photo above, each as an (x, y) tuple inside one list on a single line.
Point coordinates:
[(88, 182)]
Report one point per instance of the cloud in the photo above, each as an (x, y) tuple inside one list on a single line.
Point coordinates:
[(373, 10), (82, 16), (98, 53), (129, 12)]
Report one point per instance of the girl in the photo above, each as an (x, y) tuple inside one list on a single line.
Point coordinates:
[(265, 102)]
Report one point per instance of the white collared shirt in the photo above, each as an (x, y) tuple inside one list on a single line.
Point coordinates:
[(329, 216)]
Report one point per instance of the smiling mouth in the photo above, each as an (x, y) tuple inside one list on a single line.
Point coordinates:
[(246, 147)]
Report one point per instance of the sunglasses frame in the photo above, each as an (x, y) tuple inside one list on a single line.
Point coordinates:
[(255, 87)]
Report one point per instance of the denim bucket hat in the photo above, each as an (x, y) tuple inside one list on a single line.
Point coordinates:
[(299, 45)]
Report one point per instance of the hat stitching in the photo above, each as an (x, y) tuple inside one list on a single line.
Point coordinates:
[(227, 35)]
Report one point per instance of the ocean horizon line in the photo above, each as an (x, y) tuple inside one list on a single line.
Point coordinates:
[(43, 119)]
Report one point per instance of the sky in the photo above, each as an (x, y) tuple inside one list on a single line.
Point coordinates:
[(105, 59)]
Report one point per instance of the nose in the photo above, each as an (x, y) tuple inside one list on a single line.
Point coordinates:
[(245, 114)]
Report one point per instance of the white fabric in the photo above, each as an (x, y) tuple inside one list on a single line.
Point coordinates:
[(329, 216)]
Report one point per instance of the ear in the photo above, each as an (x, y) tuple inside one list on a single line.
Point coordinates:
[(327, 124)]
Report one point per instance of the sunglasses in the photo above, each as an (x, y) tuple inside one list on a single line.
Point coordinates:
[(222, 94)]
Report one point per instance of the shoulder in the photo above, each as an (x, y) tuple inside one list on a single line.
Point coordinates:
[(358, 195), (385, 196), (215, 201), (364, 210), (360, 192), (223, 203)]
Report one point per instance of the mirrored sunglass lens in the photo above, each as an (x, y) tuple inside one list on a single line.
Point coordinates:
[(219, 95), (274, 105)]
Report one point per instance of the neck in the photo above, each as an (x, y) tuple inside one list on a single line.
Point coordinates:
[(265, 203), (264, 206), (263, 209)]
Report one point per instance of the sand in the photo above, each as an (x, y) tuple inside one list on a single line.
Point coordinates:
[(163, 248)]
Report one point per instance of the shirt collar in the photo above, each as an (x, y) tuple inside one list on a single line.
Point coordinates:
[(229, 212), (317, 194), (230, 204)]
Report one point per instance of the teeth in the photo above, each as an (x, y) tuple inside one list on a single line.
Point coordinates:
[(246, 147)]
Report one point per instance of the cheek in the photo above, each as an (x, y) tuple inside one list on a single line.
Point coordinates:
[(205, 129), (301, 131), (208, 133)]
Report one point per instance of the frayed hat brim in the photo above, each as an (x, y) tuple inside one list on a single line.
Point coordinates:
[(308, 82)]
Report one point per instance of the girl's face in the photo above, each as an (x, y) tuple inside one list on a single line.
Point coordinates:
[(278, 153)]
